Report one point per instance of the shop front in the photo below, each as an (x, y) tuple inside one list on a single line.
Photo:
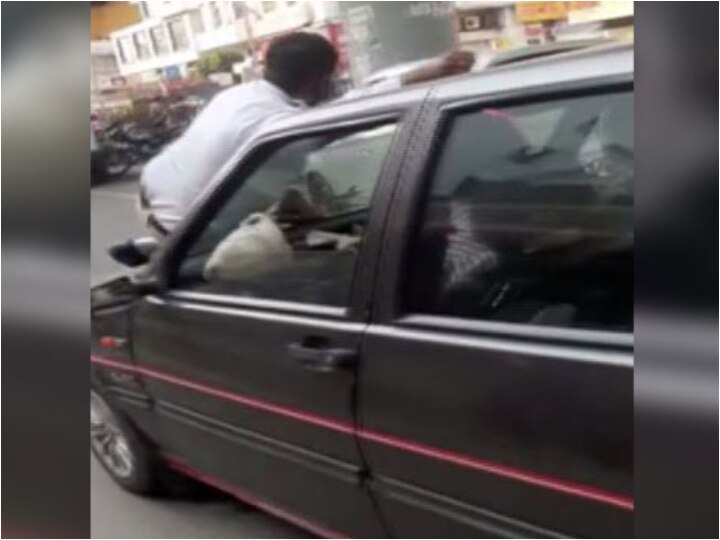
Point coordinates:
[(541, 19)]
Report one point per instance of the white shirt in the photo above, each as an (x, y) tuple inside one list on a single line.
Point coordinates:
[(172, 180)]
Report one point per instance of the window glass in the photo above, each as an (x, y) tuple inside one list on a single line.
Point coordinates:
[(292, 230), (159, 38), (144, 10), (142, 45), (178, 35), (127, 49), (121, 52), (529, 219), (215, 15), (196, 21)]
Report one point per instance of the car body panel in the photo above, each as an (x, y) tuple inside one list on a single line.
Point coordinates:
[(460, 429), (235, 405), (493, 415)]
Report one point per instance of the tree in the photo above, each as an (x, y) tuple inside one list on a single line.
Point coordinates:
[(218, 61)]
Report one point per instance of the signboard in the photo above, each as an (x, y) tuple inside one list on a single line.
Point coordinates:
[(384, 34), (577, 6), (601, 11), (532, 12), (535, 32), (363, 34), (172, 73), (335, 32)]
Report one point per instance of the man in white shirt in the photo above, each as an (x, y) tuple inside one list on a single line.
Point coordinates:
[(298, 73)]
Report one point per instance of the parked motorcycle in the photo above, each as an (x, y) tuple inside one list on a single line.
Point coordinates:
[(127, 143)]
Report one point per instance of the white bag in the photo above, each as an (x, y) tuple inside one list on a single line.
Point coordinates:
[(255, 247)]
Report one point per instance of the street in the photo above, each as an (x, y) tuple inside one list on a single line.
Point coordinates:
[(114, 218), (116, 513)]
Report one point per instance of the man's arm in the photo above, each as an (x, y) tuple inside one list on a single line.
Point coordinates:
[(452, 63)]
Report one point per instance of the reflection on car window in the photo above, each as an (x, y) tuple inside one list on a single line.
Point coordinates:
[(529, 217), (293, 229)]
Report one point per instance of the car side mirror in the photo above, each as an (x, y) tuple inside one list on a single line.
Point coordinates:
[(134, 252)]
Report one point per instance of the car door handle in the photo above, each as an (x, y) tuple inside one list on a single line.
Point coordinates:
[(321, 359)]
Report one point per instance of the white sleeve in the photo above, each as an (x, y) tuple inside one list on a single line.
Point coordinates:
[(386, 85)]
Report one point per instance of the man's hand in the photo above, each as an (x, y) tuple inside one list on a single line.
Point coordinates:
[(453, 63), (456, 62)]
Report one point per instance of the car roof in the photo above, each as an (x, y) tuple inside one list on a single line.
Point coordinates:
[(575, 66), (546, 49), (394, 71), (570, 67)]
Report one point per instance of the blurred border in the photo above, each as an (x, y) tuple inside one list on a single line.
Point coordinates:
[(676, 318), (45, 278)]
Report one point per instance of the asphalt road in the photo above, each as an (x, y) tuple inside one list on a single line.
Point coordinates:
[(113, 218), (116, 513)]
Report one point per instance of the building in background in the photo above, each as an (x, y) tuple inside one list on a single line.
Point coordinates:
[(173, 37), (108, 89), (390, 35), (106, 17), (487, 27), (561, 21), (609, 20), (542, 19), (163, 47)]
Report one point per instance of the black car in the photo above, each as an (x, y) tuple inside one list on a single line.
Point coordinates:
[(532, 52), (406, 315)]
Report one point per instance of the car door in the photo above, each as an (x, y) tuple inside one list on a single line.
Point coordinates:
[(249, 353), (497, 376)]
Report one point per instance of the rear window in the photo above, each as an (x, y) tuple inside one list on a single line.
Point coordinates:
[(528, 217)]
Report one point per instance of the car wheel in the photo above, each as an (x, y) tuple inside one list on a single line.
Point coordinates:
[(117, 162), (120, 449)]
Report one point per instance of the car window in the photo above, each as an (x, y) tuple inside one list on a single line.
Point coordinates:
[(528, 217), (293, 228)]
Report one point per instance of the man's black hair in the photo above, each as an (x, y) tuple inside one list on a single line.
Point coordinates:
[(296, 59)]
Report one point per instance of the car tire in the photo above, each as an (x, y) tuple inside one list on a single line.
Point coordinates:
[(121, 450), (117, 162)]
